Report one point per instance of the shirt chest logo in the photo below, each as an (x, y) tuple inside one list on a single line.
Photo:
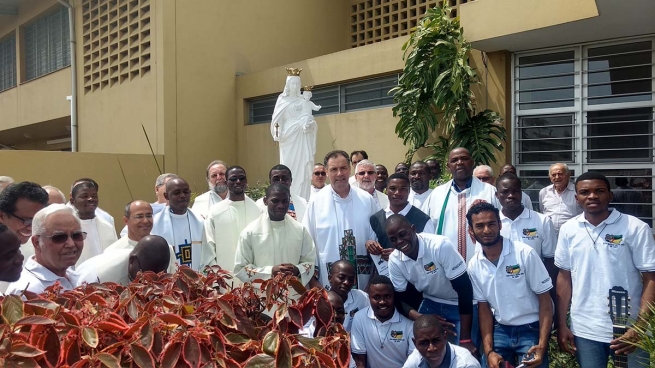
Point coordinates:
[(513, 271), (430, 267), (614, 241), (396, 336), (530, 233)]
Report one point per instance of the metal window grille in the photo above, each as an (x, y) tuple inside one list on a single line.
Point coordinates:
[(592, 107), (8, 63), (47, 45)]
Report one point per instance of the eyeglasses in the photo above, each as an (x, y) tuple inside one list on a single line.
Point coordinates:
[(320, 173), (63, 237), (362, 173), (141, 217), (26, 222)]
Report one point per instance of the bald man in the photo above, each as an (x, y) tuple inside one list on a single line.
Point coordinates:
[(54, 195), (122, 265)]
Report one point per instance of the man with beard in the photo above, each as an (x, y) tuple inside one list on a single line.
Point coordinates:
[(433, 349), (100, 234), (366, 177), (419, 178), (510, 284), (282, 174), (11, 259), (226, 220), (179, 225), (380, 336), (319, 176), (381, 181), (217, 189)]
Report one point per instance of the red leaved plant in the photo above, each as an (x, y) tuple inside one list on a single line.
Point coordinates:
[(181, 320)]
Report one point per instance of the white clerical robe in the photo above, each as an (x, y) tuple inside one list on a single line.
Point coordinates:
[(435, 203), (110, 266), (127, 243), (297, 207), (340, 228), (99, 235), (223, 226), (184, 233), (417, 200), (264, 244), (381, 199), (203, 203)]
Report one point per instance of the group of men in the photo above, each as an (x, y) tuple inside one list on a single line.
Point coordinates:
[(419, 277)]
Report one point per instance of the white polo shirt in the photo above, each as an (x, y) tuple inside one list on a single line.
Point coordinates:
[(437, 263), (357, 300), (511, 287), (36, 278), (386, 344), (459, 358), (533, 229), (614, 253)]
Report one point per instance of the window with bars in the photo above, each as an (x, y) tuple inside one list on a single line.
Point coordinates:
[(47, 45), (8, 63), (592, 107), (367, 94)]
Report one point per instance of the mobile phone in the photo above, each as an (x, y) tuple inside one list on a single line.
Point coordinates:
[(526, 358)]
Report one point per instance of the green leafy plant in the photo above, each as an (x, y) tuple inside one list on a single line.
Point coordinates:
[(434, 92), (181, 320), (257, 191)]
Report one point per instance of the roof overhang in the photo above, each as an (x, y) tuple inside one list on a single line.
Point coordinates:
[(516, 25)]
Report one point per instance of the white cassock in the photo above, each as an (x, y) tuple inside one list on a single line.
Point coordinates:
[(223, 226), (100, 234), (297, 207), (265, 243), (156, 208), (127, 243), (340, 228), (110, 266), (381, 199), (417, 200), (312, 192), (99, 213), (454, 207), (203, 203), (183, 232)]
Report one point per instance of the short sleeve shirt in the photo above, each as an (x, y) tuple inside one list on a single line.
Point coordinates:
[(357, 300), (533, 229), (386, 344)]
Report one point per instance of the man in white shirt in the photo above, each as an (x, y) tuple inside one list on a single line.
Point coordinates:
[(99, 211), (54, 195), (275, 242), (342, 279), (448, 203), (226, 220), (432, 264), (217, 192), (282, 174), (19, 202), (510, 284), (433, 349), (11, 259), (366, 176), (337, 218), (557, 200), (597, 251), (319, 176), (355, 157), (419, 178), (525, 198), (160, 189), (380, 336), (138, 220), (100, 234), (179, 225), (122, 265), (58, 241), (383, 176)]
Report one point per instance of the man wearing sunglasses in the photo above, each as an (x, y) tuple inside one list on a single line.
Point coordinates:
[(355, 158), (319, 176), (366, 177), (58, 241)]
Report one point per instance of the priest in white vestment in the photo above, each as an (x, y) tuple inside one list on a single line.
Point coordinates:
[(100, 234), (419, 180), (181, 228), (99, 211), (160, 204), (217, 189), (282, 174), (366, 176), (275, 242), (337, 218), (448, 204), (319, 176), (226, 220)]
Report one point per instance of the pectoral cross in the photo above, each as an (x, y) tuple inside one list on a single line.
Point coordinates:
[(277, 127)]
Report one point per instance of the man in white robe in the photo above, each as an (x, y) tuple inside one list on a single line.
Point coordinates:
[(217, 189), (448, 204), (275, 242), (419, 180), (319, 176), (100, 234), (157, 206), (122, 265), (282, 174), (99, 211), (179, 225), (337, 218), (226, 220), (138, 221), (366, 175)]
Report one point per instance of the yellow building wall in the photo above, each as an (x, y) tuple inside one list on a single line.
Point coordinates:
[(62, 168)]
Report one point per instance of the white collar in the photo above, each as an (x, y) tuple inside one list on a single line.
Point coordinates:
[(395, 318), (612, 218), (388, 212), (44, 274)]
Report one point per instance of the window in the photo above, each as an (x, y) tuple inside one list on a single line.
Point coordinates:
[(368, 94), (592, 107), (47, 45), (8, 63)]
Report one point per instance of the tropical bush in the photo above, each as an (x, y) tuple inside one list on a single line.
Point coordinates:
[(180, 320)]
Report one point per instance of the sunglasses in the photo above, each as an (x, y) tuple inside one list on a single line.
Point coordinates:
[(362, 173), (63, 237), (320, 173)]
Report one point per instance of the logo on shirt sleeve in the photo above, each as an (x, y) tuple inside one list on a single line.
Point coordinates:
[(430, 267)]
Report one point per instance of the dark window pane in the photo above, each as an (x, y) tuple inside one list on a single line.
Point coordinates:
[(546, 64), (261, 109), (327, 98), (622, 135), (532, 181), (540, 75), (546, 82), (546, 139), (369, 94), (633, 192)]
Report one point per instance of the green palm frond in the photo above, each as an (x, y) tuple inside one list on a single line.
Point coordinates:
[(482, 135)]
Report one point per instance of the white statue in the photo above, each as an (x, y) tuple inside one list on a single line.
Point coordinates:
[(294, 127)]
